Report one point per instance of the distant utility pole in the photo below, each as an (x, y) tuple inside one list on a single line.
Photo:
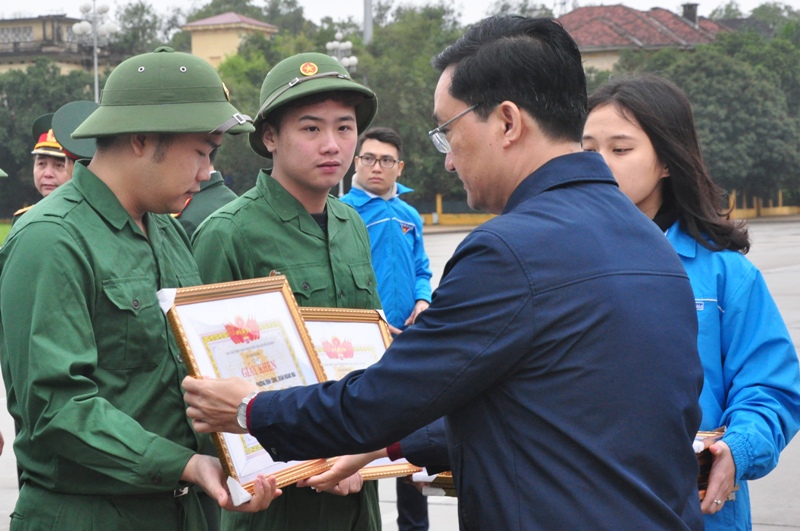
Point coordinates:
[(367, 21)]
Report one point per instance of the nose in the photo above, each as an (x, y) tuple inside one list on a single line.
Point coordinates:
[(204, 174), (330, 145), (448, 162)]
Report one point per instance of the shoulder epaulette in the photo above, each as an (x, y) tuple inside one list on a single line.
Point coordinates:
[(23, 210)]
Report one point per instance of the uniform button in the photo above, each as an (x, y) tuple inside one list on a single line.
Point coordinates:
[(135, 303), (306, 286), (341, 294), (157, 480), (369, 282)]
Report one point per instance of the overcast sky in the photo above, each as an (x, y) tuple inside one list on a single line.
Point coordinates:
[(471, 10)]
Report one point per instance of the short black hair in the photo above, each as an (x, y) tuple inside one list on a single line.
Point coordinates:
[(532, 62), (386, 135)]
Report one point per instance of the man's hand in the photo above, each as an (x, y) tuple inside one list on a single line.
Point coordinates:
[(419, 307), (720, 479), (343, 477), (205, 471), (213, 403)]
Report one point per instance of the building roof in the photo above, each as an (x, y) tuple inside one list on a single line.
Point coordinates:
[(616, 27), (229, 19)]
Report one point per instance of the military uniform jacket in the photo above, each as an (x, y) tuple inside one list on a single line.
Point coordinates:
[(212, 195), (91, 368), (267, 231)]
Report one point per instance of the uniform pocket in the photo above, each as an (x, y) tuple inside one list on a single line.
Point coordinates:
[(365, 283), (130, 323)]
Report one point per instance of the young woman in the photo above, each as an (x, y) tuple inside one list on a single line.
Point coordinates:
[(644, 129)]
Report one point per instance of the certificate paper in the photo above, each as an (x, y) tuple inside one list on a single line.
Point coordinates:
[(249, 329)]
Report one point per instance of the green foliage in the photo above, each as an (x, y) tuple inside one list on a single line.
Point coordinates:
[(726, 11), (218, 7), (526, 8), (25, 95), (775, 14), (139, 29)]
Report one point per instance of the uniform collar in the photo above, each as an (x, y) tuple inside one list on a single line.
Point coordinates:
[(566, 169), (288, 208), (99, 196)]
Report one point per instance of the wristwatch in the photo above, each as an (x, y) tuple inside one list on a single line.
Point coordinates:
[(241, 411)]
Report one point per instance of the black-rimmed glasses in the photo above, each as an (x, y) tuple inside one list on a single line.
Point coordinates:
[(438, 136), (386, 162)]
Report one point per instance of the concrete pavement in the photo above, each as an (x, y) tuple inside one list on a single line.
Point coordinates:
[(775, 499)]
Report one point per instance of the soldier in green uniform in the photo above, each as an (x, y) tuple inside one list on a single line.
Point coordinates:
[(91, 368), (65, 120), (212, 195), (311, 112)]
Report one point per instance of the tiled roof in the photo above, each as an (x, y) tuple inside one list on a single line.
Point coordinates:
[(228, 19), (618, 26)]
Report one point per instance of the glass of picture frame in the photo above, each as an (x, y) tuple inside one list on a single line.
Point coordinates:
[(346, 340), (251, 329)]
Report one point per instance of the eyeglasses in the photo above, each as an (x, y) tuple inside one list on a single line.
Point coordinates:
[(438, 136), (386, 162)]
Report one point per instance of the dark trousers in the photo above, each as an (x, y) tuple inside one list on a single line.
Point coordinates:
[(412, 508)]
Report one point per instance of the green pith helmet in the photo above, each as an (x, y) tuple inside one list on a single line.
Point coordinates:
[(66, 119), (302, 75), (164, 92)]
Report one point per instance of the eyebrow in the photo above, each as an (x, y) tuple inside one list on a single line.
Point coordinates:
[(213, 144), (613, 137), (313, 118)]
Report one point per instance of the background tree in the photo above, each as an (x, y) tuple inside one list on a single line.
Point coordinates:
[(139, 29), (24, 96)]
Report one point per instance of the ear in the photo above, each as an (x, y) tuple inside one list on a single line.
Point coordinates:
[(511, 119), (400, 165), (139, 143), (269, 137), (664, 172)]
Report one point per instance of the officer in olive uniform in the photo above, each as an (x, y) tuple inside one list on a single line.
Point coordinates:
[(49, 161), (90, 365), (311, 112)]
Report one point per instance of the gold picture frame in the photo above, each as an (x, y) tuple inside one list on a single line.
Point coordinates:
[(251, 329), (346, 340)]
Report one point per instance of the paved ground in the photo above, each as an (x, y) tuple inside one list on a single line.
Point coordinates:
[(776, 498)]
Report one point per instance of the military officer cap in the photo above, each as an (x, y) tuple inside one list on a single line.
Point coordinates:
[(66, 119), (45, 142), (303, 75), (164, 92)]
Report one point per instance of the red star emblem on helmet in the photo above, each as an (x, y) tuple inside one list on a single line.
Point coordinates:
[(309, 69)]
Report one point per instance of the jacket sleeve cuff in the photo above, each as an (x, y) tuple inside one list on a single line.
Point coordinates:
[(740, 450), (163, 463), (394, 451)]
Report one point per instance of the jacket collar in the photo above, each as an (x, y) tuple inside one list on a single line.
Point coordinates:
[(288, 208), (100, 197), (683, 243), (362, 197), (566, 169)]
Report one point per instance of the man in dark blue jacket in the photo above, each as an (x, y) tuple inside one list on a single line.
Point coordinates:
[(560, 344)]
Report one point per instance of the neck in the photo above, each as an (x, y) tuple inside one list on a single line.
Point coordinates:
[(387, 195), (111, 171), (312, 200)]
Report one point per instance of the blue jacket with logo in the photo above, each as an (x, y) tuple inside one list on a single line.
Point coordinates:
[(751, 376), (398, 256), (561, 348)]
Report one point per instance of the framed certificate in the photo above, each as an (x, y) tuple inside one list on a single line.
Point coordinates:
[(251, 329), (346, 340)]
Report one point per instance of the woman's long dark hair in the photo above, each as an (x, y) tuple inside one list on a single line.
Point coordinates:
[(664, 113)]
